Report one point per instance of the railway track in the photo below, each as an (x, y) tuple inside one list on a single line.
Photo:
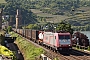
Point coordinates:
[(52, 55), (79, 55), (86, 52), (73, 55)]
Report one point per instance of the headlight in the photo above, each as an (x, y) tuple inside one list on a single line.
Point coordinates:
[(69, 45)]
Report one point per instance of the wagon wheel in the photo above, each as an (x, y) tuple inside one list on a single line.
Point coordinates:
[(38, 42)]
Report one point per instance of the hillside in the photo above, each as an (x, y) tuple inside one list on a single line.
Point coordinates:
[(79, 19), (2, 1), (50, 11), (49, 17)]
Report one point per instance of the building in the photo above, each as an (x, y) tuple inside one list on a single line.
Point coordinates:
[(18, 19)]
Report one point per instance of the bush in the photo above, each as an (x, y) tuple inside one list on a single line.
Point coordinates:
[(9, 28)]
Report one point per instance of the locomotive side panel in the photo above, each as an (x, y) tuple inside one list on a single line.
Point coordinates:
[(49, 39)]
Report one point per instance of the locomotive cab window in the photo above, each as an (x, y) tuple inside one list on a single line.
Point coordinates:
[(64, 39)]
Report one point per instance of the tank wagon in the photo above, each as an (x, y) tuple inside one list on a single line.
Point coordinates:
[(55, 41)]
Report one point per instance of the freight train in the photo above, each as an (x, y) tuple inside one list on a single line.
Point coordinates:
[(53, 40)]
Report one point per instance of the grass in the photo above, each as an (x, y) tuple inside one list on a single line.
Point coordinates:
[(29, 50), (2, 1)]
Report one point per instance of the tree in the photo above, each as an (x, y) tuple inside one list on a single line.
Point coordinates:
[(64, 27), (9, 28)]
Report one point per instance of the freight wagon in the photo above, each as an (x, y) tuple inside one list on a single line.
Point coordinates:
[(35, 35), (29, 34)]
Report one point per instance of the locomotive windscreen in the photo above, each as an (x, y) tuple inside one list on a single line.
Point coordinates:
[(64, 39)]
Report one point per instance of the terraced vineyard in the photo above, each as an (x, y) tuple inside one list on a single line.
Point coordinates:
[(2, 1), (79, 17), (49, 17)]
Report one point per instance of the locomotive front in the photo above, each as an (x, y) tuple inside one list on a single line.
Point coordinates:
[(64, 41)]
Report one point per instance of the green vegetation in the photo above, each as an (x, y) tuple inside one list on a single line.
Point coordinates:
[(88, 48), (6, 52), (29, 50), (78, 47), (3, 50), (10, 9), (33, 26), (2, 1), (75, 12), (8, 29), (55, 58), (81, 28), (62, 26)]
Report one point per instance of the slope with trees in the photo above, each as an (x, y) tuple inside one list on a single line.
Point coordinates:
[(55, 7)]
